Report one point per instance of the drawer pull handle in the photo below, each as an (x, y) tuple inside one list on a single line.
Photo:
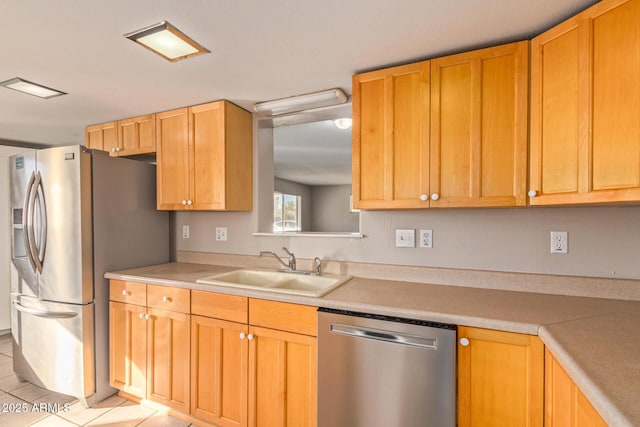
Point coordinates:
[(166, 299), (125, 292)]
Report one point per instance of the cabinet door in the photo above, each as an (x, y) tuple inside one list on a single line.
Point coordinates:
[(565, 405), (391, 137), (500, 378), (479, 104), (137, 135), (219, 363), (585, 109), (101, 137), (282, 379), (168, 354), (128, 348), (207, 182), (173, 168)]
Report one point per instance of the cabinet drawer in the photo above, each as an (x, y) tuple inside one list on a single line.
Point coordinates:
[(301, 319), (168, 298), (128, 292), (226, 307)]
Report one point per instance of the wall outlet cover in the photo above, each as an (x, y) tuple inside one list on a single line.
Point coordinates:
[(405, 238), (426, 238), (559, 242), (185, 231)]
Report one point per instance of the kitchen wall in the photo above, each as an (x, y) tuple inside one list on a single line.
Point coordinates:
[(604, 241)]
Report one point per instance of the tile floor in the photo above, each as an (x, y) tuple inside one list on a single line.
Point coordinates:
[(40, 405)]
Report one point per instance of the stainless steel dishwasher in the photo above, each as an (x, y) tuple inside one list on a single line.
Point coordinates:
[(377, 371)]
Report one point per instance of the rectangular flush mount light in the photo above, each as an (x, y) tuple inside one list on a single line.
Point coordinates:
[(308, 101), (31, 88), (167, 41)]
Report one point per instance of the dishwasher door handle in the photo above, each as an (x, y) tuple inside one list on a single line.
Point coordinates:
[(382, 335)]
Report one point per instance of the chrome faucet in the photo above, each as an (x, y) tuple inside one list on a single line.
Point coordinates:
[(291, 266)]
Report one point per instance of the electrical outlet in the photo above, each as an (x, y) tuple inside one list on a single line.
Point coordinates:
[(426, 238), (185, 231), (221, 233), (405, 238), (559, 242)]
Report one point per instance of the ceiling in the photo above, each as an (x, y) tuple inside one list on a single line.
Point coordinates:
[(260, 50)]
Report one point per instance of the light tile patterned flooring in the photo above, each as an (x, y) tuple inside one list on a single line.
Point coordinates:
[(113, 411)]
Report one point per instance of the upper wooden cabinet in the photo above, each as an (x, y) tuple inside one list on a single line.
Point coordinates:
[(127, 137), (450, 132), (585, 107), (101, 137), (205, 158), (479, 104), (500, 378), (391, 137), (136, 136)]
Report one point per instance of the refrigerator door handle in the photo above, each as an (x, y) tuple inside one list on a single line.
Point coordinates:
[(44, 313), (33, 244), (26, 218), (42, 223)]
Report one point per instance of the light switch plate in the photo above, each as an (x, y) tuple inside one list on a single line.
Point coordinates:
[(405, 238), (221, 234)]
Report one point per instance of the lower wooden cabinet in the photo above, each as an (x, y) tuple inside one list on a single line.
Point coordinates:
[(149, 346), (500, 378), (128, 348), (219, 371), (565, 405), (253, 362), (282, 381)]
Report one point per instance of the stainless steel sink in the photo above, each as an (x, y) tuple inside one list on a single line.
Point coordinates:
[(273, 281)]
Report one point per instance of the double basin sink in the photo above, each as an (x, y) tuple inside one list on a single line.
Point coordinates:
[(275, 281)]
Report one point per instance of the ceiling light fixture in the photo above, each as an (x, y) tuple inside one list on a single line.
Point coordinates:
[(344, 123), (308, 101), (167, 41), (35, 89)]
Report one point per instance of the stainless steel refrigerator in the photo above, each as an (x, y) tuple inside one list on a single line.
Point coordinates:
[(76, 213)]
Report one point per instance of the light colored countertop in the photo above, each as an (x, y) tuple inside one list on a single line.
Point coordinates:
[(596, 340)]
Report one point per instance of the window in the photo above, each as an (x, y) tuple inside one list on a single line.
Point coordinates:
[(286, 212)]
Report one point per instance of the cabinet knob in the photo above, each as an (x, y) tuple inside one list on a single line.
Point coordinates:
[(113, 150), (250, 337), (141, 315), (147, 316), (118, 149), (464, 342), (125, 292), (166, 299), (242, 335), (184, 202), (189, 202), (424, 197), (533, 193), (435, 196)]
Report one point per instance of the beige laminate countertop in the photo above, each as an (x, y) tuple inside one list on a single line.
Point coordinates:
[(596, 340)]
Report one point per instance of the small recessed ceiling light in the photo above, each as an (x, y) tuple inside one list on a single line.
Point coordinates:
[(343, 123), (31, 88), (167, 41)]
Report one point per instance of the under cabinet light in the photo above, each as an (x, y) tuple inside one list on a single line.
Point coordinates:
[(167, 41), (308, 101), (35, 89)]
